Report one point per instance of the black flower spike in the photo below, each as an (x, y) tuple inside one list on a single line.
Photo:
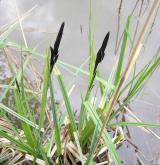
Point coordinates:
[(54, 51), (101, 53)]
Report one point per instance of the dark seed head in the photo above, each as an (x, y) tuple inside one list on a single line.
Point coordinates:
[(58, 39), (53, 58), (105, 41), (101, 52), (54, 51)]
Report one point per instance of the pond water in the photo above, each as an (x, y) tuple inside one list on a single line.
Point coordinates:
[(41, 28)]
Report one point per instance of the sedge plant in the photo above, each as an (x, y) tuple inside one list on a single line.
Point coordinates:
[(43, 136)]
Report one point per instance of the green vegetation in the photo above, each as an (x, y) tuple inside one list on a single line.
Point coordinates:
[(41, 134)]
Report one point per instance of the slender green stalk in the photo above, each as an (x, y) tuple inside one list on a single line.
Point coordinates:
[(136, 124), (66, 100), (26, 128), (121, 57), (105, 135), (44, 94), (56, 123), (22, 146)]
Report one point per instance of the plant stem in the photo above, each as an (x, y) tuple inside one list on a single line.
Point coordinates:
[(130, 63)]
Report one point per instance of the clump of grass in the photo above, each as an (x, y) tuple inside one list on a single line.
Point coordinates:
[(40, 135)]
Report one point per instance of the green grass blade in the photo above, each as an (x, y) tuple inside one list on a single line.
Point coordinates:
[(66, 100), (86, 133), (74, 68), (44, 93), (136, 77), (122, 52), (18, 76), (55, 119), (82, 115), (78, 146), (50, 143), (88, 130), (107, 91), (26, 128), (22, 146), (136, 124), (43, 106), (18, 116), (101, 86), (92, 146), (144, 77), (106, 136)]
